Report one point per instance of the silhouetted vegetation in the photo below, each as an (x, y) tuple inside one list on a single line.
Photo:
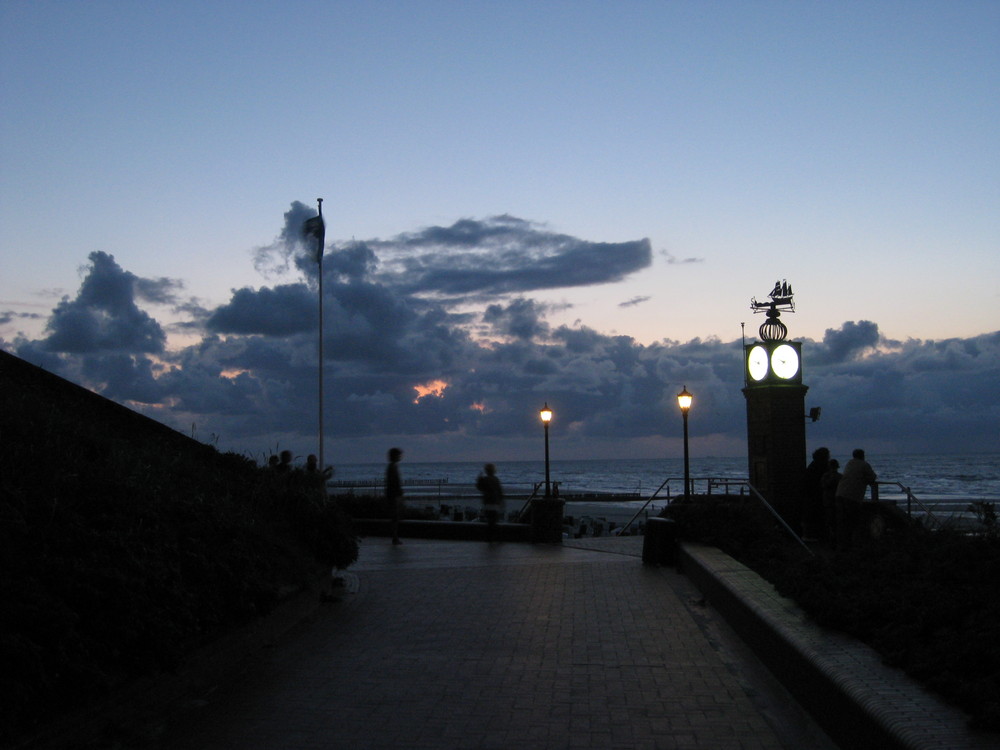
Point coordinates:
[(928, 602), (124, 544)]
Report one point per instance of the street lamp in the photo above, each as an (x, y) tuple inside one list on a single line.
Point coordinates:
[(546, 416), (684, 401)]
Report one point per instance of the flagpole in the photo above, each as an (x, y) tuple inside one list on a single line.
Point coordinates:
[(319, 259)]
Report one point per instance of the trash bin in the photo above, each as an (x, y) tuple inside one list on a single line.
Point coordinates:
[(546, 521), (659, 546)]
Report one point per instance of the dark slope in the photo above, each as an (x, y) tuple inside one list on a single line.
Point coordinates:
[(125, 544)]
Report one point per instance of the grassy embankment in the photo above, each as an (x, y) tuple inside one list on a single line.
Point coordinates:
[(125, 545), (928, 602)]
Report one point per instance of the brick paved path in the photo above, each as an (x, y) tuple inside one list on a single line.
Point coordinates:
[(467, 645)]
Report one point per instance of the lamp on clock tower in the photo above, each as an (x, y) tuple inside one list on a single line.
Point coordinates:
[(775, 396)]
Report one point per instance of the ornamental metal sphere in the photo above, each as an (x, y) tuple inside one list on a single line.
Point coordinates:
[(773, 329)]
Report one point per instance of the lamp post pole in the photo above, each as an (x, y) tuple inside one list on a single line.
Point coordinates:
[(684, 401), (546, 416)]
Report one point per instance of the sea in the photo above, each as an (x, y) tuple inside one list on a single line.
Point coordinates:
[(617, 489)]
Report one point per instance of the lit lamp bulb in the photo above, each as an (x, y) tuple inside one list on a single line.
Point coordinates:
[(546, 414), (684, 399)]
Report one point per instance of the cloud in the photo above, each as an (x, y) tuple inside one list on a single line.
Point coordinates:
[(674, 260), (9, 316), (849, 342), (921, 396), (104, 315), (193, 316), (354, 261), (251, 376), (161, 291), (123, 377), (521, 318), (634, 301), (276, 258), (502, 255), (280, 311)]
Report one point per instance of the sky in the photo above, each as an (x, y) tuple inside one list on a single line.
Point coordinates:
[(561, 202)]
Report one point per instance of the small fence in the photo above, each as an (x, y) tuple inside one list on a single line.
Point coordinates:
[(377, 486), (462, 498), (955, 513), (743, 486), (444, 487)]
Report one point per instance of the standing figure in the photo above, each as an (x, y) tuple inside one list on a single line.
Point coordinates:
[(394, 490), (812, 510), (828, 483), (858, 476), (312, 467), (316, 478), (489, 485)]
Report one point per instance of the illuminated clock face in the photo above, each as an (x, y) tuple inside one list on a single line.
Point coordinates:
[(785, 361), (757, 363)]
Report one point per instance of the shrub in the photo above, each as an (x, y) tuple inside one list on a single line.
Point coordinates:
[(740, 526), (124, 544)]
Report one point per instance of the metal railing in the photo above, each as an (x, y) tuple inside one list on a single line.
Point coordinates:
[(710, 484), (745, 488), (380, 482), (531, 497), (753, 491), (911, 500), (651, 498)]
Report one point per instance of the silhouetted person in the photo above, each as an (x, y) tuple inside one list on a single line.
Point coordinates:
[(828, 483), (312, 467), (858, 475), (273, 461), (812, 500), (285, 462), (489, 485), (394, 490)]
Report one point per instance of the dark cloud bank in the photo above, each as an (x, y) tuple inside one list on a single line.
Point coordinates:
[(432, 342)]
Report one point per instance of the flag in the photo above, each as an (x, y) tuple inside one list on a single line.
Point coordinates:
[(315, 227)]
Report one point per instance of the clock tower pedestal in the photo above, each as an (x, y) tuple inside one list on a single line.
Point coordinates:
[(776, 442)]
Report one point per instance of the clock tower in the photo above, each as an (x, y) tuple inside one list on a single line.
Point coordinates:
[(776, 398)]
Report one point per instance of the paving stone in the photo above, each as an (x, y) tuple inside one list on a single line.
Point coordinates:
[(469, 645), (450, 644)]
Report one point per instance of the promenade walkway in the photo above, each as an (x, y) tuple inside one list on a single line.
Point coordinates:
[(468, 645)]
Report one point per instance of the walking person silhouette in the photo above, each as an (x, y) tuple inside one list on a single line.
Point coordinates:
[(394, 491), (489, 485)]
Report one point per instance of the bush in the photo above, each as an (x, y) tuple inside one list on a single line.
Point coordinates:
[(124, 545), (740, 526)]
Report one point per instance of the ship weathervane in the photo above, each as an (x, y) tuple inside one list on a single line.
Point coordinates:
[(781, 296)]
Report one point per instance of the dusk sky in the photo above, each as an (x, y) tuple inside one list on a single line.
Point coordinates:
[(570, 202)]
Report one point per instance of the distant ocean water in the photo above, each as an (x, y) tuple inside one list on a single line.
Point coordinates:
[(944, 484), (929, 477)]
